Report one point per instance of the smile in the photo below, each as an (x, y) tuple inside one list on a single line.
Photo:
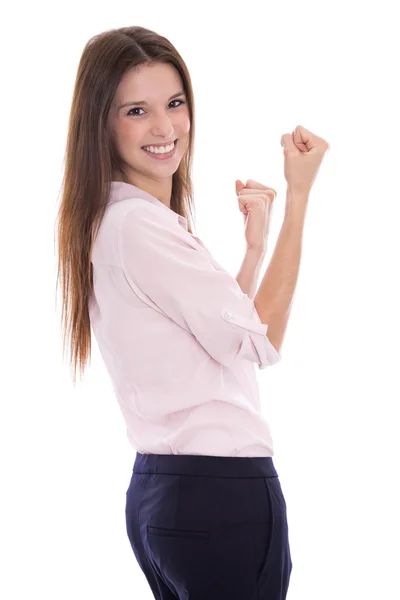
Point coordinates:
[(161, 155)]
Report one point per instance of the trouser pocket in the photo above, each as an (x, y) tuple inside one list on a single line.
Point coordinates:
[(272, 542)]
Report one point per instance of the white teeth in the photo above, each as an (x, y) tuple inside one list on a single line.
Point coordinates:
[(159, 149)]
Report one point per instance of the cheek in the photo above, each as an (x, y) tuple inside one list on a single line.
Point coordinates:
[(185, 124), (128, 132)]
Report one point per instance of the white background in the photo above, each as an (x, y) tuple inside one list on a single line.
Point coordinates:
[(259, 69)]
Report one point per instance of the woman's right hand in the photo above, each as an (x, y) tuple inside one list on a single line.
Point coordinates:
[(303, 152)]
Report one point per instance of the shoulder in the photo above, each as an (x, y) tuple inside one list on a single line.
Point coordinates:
[(118, 219)]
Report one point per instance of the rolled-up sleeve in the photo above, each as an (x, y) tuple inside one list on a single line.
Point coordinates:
[(181, 280)]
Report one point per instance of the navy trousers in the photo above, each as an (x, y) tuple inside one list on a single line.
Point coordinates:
[(209, 527)]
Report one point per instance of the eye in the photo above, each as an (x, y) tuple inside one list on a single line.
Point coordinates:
[(140, 108)]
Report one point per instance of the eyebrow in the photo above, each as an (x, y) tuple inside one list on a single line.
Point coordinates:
[(142, 102)]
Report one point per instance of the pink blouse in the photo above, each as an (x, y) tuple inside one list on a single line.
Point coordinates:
[(179, 338)]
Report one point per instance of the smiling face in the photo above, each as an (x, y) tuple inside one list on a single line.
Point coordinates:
[(148, 108)]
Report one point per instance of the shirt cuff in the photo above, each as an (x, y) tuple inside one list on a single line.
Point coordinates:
[(256, 346)]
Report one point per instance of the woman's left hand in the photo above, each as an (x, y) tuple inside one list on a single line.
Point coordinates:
[(255, 202)]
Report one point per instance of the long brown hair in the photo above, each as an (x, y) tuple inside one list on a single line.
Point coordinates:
[(90, 161)]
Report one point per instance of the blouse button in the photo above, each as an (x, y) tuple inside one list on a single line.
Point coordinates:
[(228, 316)]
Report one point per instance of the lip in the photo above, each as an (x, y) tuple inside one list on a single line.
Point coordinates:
[(164, 144), (163, 157)]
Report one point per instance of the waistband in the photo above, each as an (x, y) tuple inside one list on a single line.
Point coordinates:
[(208, 466)]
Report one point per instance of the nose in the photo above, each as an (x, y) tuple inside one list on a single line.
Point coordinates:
[(162, 126)]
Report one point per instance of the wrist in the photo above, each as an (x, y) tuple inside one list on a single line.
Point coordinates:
[(303, 194), (256, 252), (296, 203)]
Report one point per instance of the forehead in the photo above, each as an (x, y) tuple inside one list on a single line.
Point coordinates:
[(148, 82)]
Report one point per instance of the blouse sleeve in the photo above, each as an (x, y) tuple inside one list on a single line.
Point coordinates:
[(181, 280)]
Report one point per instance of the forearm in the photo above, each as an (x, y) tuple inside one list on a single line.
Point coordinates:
[(249, 272), (274, 296)]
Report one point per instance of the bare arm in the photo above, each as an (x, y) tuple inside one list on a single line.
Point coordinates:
[(249, 272), (274, 296)]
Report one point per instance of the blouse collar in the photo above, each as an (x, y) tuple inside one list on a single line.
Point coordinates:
[(120, 190)]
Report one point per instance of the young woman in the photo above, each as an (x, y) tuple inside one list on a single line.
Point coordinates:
[(179, 336)]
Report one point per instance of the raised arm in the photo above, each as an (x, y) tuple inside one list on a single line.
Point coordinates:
[(274, 296)]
